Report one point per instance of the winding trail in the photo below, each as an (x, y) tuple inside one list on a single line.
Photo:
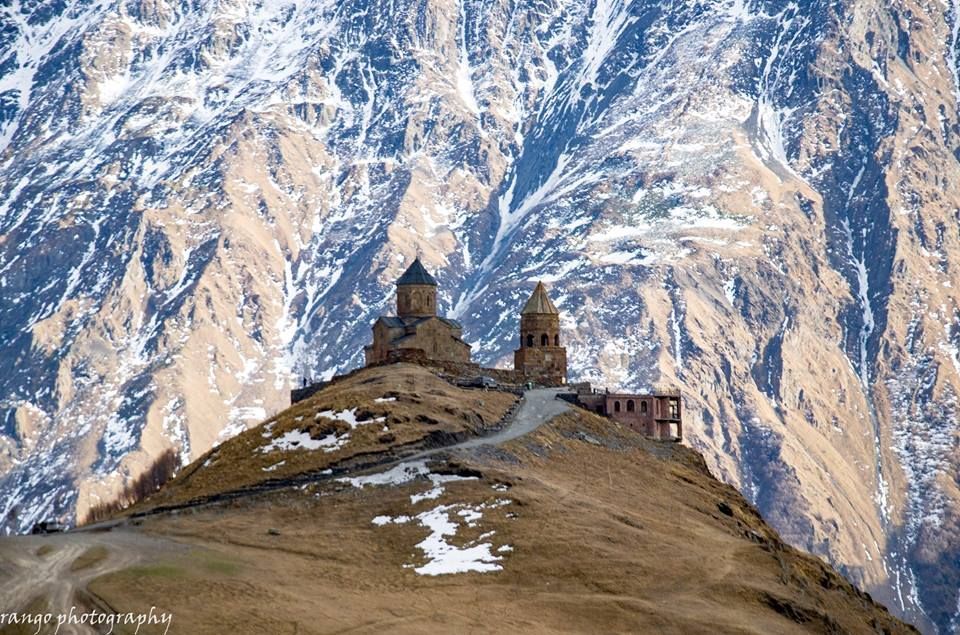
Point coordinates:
[(537, 407), (33, 567), (43, 566)]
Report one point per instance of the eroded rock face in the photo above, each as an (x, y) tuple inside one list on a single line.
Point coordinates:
[(755, 201)]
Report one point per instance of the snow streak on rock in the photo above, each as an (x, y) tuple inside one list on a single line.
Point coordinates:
[(756, 201)]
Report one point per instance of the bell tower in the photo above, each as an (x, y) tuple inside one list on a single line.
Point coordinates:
[(540, 356), (416, 292)]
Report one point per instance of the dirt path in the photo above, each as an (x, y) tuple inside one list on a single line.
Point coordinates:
[(44, 566), (537, 407), (55, 567)]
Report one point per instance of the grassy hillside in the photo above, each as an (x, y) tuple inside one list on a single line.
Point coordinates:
[(397, 408), (581, 525)]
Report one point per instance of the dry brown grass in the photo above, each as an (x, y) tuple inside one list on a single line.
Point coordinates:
[(45, 550), (610, 533), (37, 606), (425, 406), (89, 558)]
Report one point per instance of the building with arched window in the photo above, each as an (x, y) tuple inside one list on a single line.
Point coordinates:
[(417, 329), (656, 415), (540, 357)]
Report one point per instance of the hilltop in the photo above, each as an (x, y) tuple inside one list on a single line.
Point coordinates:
[(399, 517)]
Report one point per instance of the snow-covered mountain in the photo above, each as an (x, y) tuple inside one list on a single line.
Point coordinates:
[(759, 201)]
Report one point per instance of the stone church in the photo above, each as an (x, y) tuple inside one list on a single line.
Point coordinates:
[(540, 356), (416, 329), (417, 333)]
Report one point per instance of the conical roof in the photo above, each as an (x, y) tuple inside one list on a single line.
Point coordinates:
[(416, 274), (539, 302)]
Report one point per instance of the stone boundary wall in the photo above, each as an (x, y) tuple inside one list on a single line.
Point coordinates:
[(454, 372)]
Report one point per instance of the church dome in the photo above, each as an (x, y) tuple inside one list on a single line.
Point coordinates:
[(539, 303), (416, 274)]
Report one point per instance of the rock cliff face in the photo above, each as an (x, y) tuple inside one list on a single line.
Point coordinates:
[(757, 201)]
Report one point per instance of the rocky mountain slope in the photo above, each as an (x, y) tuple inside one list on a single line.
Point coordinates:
[(757, 201), (547, 532)]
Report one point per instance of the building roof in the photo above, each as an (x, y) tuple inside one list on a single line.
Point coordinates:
[(416, 274), (391, 321), (410, 336), (450, 323), (539, 302), (399, 322)]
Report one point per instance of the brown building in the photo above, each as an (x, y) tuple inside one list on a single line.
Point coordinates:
[(416, 329), (540, 357), (657, 416)]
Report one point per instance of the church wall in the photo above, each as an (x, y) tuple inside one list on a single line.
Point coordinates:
[(537, 325), (545, 364), (416, 300), (436, 340), (382, 336)]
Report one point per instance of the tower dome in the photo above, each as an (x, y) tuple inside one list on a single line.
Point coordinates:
[(416, 274), (416, 292), (540, 355)]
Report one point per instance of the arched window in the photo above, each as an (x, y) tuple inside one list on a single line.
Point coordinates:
[(544, 340), (629, 405), (643, 407), (556, 340), (616, 406), (529, 340)]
